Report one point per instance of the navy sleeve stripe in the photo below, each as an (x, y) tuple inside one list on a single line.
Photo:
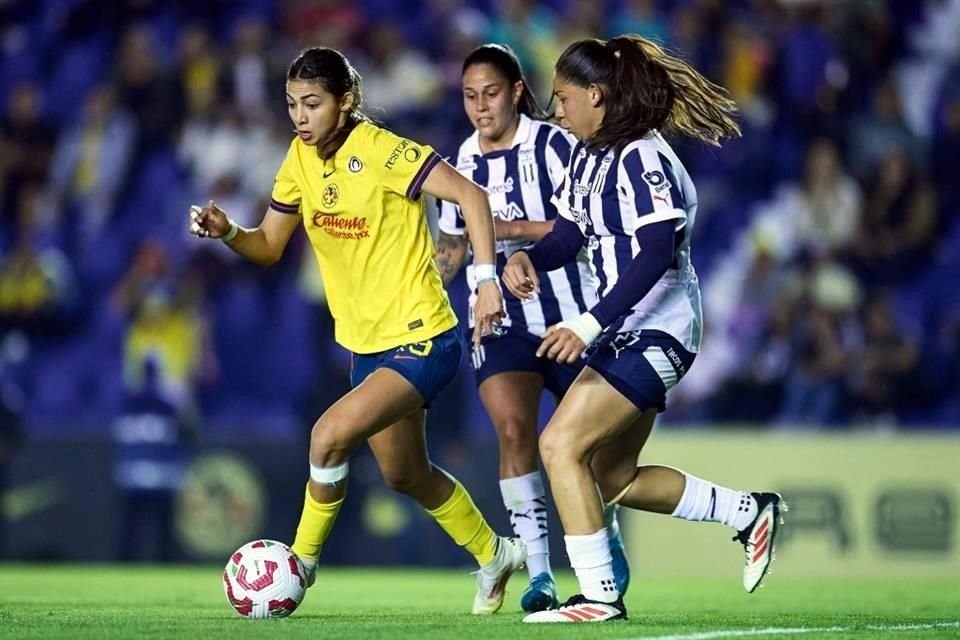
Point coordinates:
[(281, 207), (633, 165), (413, 191)]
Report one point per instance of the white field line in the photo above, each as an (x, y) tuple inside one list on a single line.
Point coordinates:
[(788, 631)]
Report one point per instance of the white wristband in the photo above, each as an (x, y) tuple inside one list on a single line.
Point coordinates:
[(585, 326), (232, 233), (484, 272)]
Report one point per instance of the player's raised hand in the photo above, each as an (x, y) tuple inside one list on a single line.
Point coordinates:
[(209, 221), (561, 344), (520, 277), (488, 311)]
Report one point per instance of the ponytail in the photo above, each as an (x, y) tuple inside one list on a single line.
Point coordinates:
[(646, 88)]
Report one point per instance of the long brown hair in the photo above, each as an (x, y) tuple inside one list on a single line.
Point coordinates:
[(647, 88), (332, 71)]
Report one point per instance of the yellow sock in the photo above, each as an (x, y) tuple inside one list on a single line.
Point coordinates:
[(316, 522), (463, 522)]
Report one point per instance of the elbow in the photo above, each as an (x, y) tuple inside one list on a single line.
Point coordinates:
[(268, 259)]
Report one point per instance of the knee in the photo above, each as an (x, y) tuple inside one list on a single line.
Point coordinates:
[(516, 435), (559, 446), (406, 481), (329, 444)]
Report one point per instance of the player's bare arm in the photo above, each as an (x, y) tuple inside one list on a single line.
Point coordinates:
[(446, 184), (529, 230), (263, 245)]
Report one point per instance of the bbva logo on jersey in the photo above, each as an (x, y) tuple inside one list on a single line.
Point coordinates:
[(511, 212)]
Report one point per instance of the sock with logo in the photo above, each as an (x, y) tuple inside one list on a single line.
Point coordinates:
[(526, 503), (704, 501)]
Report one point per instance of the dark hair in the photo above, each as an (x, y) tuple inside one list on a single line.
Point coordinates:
[(332, 71), (646, 88), (504, 60)]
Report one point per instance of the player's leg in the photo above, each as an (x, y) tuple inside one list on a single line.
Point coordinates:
[(401, 453), (512, 399), (381, 399)]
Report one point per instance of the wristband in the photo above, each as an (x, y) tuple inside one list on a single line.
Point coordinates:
[(232, 233), (585, 326), (484, 272)]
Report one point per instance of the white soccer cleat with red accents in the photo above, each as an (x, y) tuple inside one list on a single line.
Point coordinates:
[(580, 609), (492, 577), (758, 539)]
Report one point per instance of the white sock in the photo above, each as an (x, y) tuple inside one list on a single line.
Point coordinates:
[(705, 501), (590, 559), (526, 503)]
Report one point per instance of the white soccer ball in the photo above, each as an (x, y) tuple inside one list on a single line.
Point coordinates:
[(264, 579)]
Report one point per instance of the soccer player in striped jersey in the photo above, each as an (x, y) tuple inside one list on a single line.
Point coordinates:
[(356, 188), (628, 197), (520, 160)]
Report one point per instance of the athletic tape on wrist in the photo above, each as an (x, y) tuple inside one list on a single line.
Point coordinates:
[(232, 233), (485, 272)]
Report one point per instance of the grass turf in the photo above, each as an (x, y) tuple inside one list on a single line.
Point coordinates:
[(107, 602)]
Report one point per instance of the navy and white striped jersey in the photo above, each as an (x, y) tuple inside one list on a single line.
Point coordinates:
[(520, 182), (610, 194)]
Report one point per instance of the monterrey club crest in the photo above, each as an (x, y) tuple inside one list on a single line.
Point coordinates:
[(330, 197)]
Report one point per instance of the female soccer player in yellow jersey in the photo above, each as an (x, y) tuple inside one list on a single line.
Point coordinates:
[(356, 188)]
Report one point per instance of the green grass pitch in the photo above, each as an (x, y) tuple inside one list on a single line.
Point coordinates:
[(107, 602)]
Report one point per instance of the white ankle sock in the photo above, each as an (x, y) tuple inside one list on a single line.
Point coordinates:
[(590, 559), (705, 501), (526, 503)]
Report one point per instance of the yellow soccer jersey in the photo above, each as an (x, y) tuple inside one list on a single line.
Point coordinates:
[(365, 219)]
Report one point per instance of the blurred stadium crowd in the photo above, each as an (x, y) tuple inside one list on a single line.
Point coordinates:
[(828, 238)]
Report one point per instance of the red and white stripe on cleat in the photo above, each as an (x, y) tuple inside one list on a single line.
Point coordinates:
[(759, 542), (579, 609)]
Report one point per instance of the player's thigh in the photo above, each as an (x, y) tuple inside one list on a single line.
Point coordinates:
[(382, 399), (590, 415), (512, 400), (615, 464), (401, 449)]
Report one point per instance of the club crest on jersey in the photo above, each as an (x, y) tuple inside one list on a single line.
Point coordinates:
[(330, 196), (354, 164)]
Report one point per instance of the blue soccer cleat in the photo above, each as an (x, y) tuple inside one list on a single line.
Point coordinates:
[(621, 566), (540, 594)]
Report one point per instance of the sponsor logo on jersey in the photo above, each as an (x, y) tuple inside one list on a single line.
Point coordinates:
[(504, 187), (354, 164), (396, 153), (341, 227)]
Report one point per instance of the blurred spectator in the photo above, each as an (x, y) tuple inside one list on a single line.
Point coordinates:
[(147, 91), (39, 295), (898, 229), (26, 147), (248, 81), (334, 23), (520, 24), (90, 164), (880, 131), (397, 80), (199, 70), (151, 439), (886, 371), (640, 17)]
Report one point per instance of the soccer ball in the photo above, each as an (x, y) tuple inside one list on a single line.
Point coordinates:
[(264, 579)]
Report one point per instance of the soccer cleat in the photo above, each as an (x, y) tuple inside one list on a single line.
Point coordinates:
[(580, 609), (309, 570), (758, 539), (541, 594), (492, 577), (621, 566)]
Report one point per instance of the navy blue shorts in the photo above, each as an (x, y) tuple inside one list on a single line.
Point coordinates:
[(642, 365), (517, 351), (429, 365)]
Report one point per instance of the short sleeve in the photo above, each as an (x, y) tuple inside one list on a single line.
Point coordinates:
[(648, 189), (286, 195), (402, 163), (557, 155)]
